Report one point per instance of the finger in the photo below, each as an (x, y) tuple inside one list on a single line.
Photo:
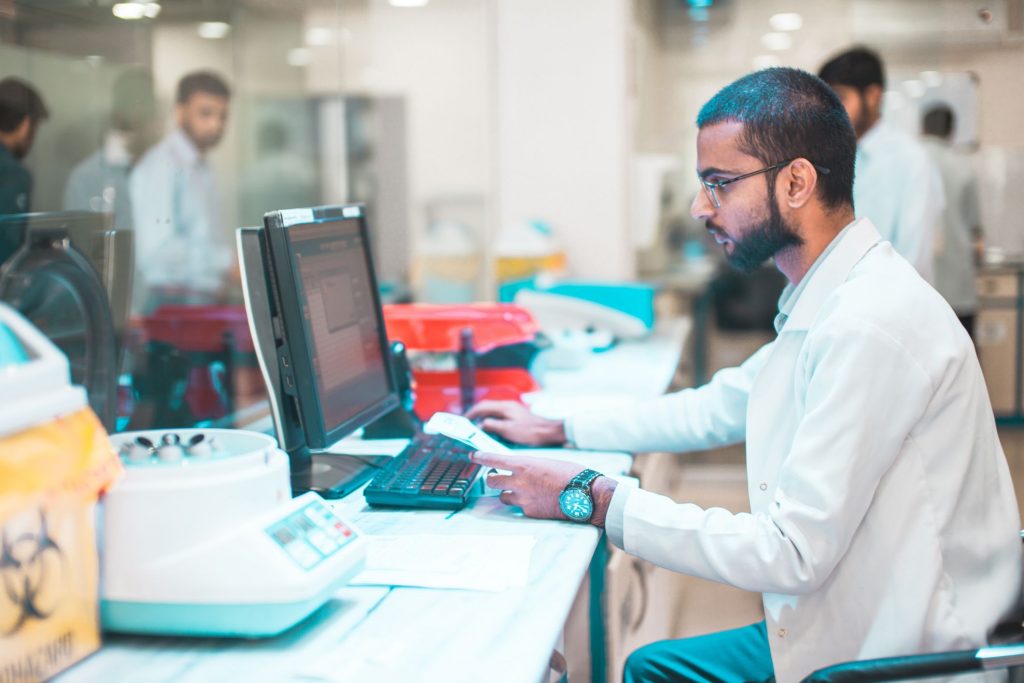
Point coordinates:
[(502, 428), (502, 462), (502, 482), (508, 497), (488, 408)]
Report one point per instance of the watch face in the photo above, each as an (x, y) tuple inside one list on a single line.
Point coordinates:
[(576, 504)]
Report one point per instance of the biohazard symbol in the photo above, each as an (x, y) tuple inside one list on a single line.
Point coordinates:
[(31, 565)]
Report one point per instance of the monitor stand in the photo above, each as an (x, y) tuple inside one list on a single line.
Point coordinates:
[(332, 475)]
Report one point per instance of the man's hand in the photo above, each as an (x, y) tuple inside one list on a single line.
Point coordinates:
[(514, 422), (534, 484)]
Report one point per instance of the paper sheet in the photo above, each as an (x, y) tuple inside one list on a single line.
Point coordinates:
[(468, 562), (459, 428)]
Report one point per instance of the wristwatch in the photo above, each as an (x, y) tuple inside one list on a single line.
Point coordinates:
[(576, 501)]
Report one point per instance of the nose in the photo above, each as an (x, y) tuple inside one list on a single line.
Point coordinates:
[(701, 208)]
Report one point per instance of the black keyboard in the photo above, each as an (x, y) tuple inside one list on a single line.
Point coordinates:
[(432, 472)]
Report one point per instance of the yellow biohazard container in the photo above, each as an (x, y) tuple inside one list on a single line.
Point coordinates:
[(55, 460)]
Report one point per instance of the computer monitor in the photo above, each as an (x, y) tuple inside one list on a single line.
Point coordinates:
[(322, 345)]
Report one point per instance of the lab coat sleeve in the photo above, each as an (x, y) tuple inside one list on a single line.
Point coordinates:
[(864, 393), (709, 416)]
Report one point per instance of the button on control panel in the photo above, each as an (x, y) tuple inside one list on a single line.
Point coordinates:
[(310, 535)]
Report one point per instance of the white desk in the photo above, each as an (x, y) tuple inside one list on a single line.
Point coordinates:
[(406, 634)]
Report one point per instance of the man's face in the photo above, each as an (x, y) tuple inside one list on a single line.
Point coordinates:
[(203, 117), (748, 224), (863, 107)]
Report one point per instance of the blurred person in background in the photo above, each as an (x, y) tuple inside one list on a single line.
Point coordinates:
[(896, 185), (182, 251), (21, 111), (956, 252), (100, 181)]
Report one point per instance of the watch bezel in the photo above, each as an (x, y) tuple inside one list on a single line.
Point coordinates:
[(573, 491)]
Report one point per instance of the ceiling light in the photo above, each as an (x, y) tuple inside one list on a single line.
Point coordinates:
[(408, 3), (129, 10), (765, 61), (786, 21), (299, 56), (777, 41), (319, 35), (152, 9), (213, 30)]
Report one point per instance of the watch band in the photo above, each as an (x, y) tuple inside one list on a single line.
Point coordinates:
[(583, 480)]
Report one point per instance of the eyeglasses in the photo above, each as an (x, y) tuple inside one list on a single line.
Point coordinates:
[(711, 188)]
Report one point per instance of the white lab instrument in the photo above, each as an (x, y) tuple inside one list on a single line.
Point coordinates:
[(207, 540)]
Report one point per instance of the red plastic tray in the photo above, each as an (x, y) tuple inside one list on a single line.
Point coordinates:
[(436, 327), (199, 328), (439, 391)]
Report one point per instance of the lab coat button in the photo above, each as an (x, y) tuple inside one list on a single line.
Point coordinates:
[(764, 486), (782, 633)]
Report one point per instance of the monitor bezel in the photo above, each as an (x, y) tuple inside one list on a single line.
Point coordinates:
[(288, 302)]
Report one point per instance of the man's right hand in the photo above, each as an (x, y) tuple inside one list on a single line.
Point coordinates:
[(514, 422)]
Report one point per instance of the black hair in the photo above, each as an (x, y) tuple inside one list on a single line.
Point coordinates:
[(788, 114), (18, 99), (202, 81), (938, 121), (858, 67)]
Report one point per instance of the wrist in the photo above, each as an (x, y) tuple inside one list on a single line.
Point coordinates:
[(601, 493)]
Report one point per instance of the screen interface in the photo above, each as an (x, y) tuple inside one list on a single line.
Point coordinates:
[(340, 317)]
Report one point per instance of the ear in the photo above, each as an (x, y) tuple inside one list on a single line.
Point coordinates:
[(799, 182), (24, 128), (873, 98), (179, 113)]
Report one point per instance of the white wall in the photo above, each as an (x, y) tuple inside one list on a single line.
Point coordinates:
[(565, 127)]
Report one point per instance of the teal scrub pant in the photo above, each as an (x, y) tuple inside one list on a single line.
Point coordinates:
[(739, 655)]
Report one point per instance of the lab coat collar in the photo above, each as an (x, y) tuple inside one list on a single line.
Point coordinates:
[(853, 244)]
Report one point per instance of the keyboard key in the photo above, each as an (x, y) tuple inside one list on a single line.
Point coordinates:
[(432, 472)]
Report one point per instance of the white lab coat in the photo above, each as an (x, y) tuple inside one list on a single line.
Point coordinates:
[(899, 189), (180, 240), (883, 519)]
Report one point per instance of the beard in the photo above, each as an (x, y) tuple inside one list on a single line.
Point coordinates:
[(203, 143), (763, 240)]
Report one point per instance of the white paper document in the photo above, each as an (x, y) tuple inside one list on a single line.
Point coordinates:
[(481, 563), (459, 428)]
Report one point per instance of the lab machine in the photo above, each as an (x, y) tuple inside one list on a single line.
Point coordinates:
[(202, 537)]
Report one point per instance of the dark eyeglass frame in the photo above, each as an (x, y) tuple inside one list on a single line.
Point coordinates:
[(709, 187)]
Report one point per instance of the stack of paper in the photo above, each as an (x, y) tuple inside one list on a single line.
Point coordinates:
[(482, 563)]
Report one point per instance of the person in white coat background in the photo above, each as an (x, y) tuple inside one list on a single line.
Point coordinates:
[(183, 252), (896, 185), (883, 520)]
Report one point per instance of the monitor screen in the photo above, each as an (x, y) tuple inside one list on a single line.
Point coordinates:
[(332, 343), (339, 310)]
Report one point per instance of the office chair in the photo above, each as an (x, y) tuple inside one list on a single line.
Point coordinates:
[(1006, 653)]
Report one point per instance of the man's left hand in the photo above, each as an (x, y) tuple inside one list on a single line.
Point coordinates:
[(534, 484)]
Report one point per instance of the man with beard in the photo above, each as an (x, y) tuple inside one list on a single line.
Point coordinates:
[(181, 247), (897, 186), (883, 520), (21, 110)]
